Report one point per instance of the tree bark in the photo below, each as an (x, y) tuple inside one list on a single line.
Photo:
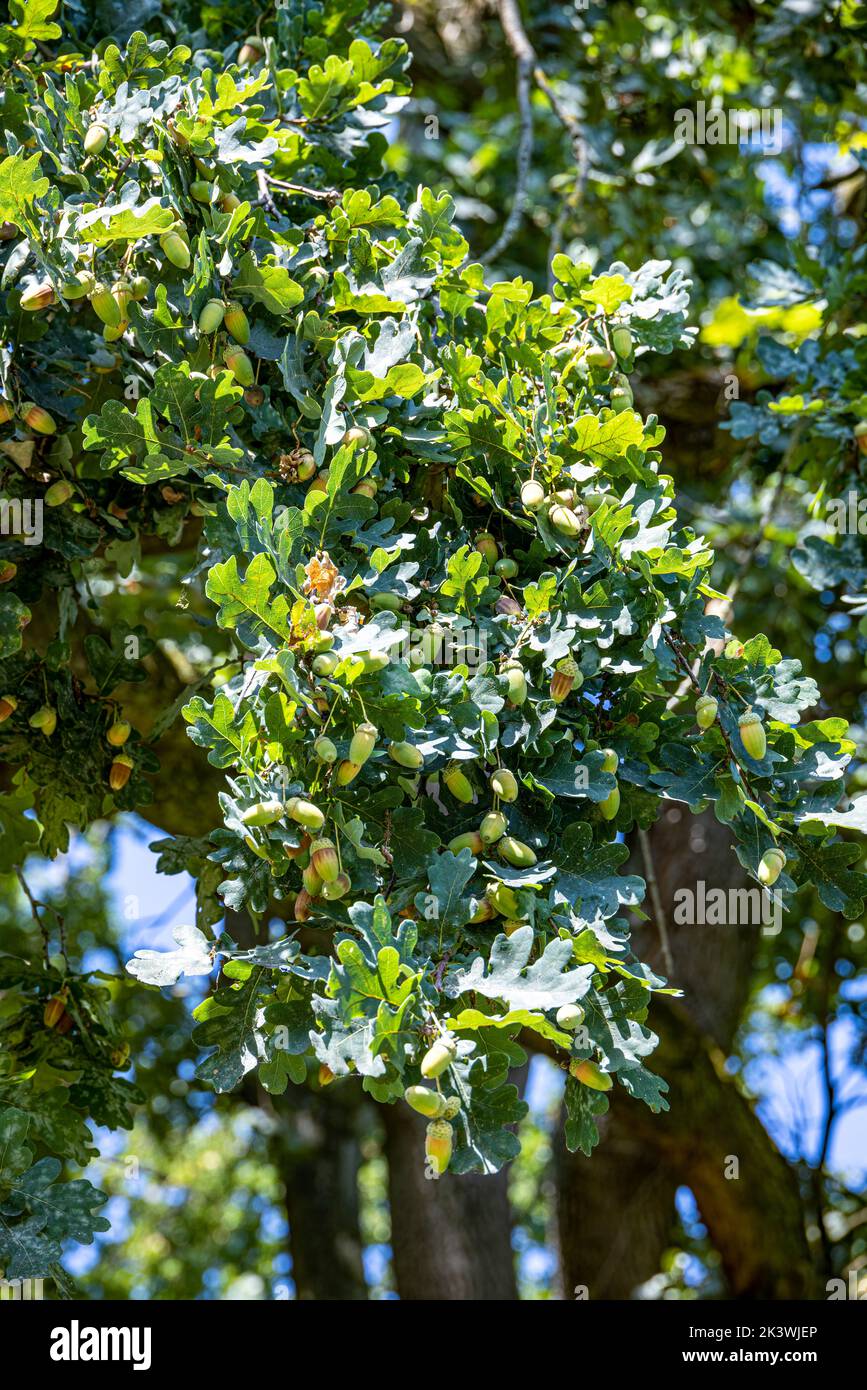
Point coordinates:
[(451, 1237)]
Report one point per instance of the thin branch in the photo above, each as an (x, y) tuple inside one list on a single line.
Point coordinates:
[(656, 899), (35, 905)]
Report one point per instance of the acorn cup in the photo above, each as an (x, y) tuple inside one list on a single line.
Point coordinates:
[(119, 772), (705, 711), (438, 1058), (425, 1101), (363, 742), (590, 1075), (771, 865), (504, 784), (566, 676), (438, 1145), (95, 139), (752, 732), (237, 323)]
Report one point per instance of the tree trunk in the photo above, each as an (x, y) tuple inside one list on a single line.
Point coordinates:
[(451, 1237)]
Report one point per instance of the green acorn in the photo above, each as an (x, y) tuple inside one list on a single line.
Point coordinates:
[(610, 760), (487, 546), (325, 749), (305, 813), (323, 858), (599, 357), (470, 839), (505, 900), (564, 520), (705, 711), (458, 784), (374, 661), (752, 732), (438, 1145), (504, 784), (438, 1058), (120, 771), (58, 493), (357, 434), (516, 853), (620, 399), (78, 285), (506, 568), (201, 190), (517, 682), (139, 287), (347, 772), (337, 888), (570, 1017), (237, 323), (118, 733), (566, 676), (621, 341), (591, 1075), (95, 139), (425, 1101), (211, 316), (771, 865), (263, 813), (493, 827), (483, 913), (8, 571), (8, 706), (104, 304), (611, 805), (239, 365), (363, 742), (35, 418), (45, 719), (324, 664), (532, 495), (393, 603), (176, 248), (252, 50), (406, 755), (311, 880), (38, 297)]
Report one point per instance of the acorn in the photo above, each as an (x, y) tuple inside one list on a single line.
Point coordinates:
[(64, 1023), (425, 1101), (438, 1145), (237, 323), (564, 520), (363, 742), (438, 1058), (228, 202), (211, 316), (8, 571), (325, 749), (45, 719), (323, 858), (121, 296), (35, 418), (504, 784), (78, 285), (347, 772), (263, 813), (566, 676), (297, 851), (111, 335), (6, 411), (517, 682), (303, 906), (374, 661), (118, 733), (139, 287), (505, 900), (325, 664), (516, 853), (705, 711), (452, 1108), (40, 296), (483, 913), (252, 50), (367, 488), (306, 467), (610, 760), (506, 568), (470, 839), (53, 1012), (860, 434), (458, 784), (8, 706), (513, 924), (104, 304), (771, 865), (391, 603), (311, 880), (406, 755), (507, 605), (176, 248), (200, 190), (493, 827), (599, 357), (532, 495), (325, 1075), (620, 399), (611, 804), (119, 772), (58, 493), (95, 139), (119, 1056), (239, 365), (752, 732), (254, 396), (621, 341), (570, 1017), (357, 434), (338, 888), (487, 546), (590, 1075), (305, 813)]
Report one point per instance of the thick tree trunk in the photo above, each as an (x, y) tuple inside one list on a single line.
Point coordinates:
[(451, 1237), (616, 1209)]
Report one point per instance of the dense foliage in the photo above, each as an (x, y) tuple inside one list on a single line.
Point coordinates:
[(456, 628)]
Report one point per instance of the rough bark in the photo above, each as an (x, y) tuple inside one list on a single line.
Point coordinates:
[(451, 1237), (616, 1210)]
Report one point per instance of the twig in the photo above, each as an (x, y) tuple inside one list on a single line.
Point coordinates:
[(34, 908), (656, 899), (323, 195), (264, 196)]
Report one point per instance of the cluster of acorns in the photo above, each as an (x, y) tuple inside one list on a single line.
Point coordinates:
[(45, 720), (755, 742)]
